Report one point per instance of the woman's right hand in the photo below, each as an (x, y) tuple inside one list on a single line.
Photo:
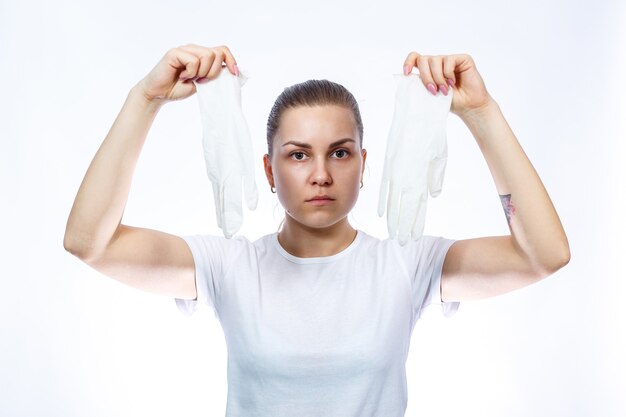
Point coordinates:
[(171, 79)]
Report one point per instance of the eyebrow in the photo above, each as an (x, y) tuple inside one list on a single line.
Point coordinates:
[(306, 145)]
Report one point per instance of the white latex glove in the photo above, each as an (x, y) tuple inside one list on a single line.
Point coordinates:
[(416, 156), (227, 148)]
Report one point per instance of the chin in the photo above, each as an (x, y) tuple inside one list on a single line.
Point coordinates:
[(317, 221)]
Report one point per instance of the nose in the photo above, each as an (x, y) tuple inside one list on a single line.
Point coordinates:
[(321, 174)]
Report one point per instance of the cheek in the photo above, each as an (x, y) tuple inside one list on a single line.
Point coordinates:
[(349, 174), (288, 180), (290, 173)]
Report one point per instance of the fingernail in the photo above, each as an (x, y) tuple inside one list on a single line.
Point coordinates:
[(236, 70), (406, 70), (432, 89), (450, 82), (443, 89)]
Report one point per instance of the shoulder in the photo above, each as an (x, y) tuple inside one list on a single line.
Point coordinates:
[(219, 245), (427, 249), (426, 244)]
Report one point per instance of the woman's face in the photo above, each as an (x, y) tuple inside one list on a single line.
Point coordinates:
[(316, 152)]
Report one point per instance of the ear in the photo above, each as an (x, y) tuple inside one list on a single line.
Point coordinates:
[(269, 173), (364, 155)]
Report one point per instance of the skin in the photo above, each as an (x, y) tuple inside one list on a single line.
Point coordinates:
[(537, 245), (300, 173), (162, 263), (146, 259)]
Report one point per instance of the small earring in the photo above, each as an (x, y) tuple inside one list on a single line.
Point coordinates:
[(272, 189), (361, 184)]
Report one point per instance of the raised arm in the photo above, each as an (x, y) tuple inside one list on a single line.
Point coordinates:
[(146, 259), (537, 245)]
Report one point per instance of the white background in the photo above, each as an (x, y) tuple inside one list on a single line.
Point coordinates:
[(76, 343)]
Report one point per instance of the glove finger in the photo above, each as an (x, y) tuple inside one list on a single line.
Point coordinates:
[(408, 210), (217, 198), (393, 210), (250, 191), (440, 144), (436, 172), (420, 217), (243, 76), (382, 197), (232, 205)]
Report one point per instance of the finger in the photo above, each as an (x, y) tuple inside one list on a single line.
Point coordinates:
[(179, 59), (206, 57), (426, 76), (435, 63), (393, 210), (250, 191), (382, 197), (230, 60), (216, 66), (462, 62), (448, 70), (190, 62), (408, 210), (420, 218), (410, 62), (227, 55), (223, 55), (232, 205)]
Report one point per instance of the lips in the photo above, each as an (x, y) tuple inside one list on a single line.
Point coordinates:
[(321, 197)]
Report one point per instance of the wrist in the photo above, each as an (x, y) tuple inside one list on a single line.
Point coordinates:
[(478, 115), (138, 94)]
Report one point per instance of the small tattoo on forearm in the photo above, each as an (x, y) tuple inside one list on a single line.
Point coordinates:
[(509, 209)]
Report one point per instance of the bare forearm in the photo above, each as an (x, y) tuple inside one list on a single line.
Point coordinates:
[(532, 218), (101, 198)]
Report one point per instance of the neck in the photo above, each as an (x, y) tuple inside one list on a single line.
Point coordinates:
[(307, 242)]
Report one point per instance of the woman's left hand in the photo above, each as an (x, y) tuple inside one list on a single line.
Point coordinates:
[(442, 72)]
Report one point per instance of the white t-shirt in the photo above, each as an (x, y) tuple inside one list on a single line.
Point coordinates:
[(326, 336)]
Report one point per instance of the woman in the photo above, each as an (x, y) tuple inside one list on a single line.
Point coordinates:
[(318, 316)]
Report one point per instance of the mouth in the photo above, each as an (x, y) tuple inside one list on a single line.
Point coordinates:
[(321, 198)]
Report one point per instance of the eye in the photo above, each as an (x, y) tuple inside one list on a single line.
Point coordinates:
[(297, 153), (343, 152)]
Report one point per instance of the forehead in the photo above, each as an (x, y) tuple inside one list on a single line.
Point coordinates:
[(312, 124)]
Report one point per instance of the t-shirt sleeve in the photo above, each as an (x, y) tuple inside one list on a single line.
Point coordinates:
[(426, 275), (213, 256)]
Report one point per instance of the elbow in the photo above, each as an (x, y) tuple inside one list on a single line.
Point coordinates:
[(69, 244), (85, 246), (557, 261), (564, 257), (76, 248), (560, 263)]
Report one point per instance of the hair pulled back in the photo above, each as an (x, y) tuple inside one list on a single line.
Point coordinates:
[(311, 93)]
